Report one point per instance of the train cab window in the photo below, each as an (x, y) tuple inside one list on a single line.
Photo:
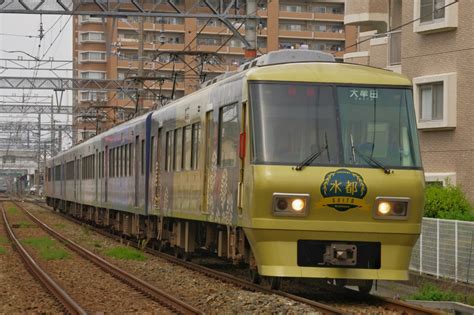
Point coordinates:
[(196, 134), (169, 151), (187, 141), (177, 150), (228, 141), (292, 121)]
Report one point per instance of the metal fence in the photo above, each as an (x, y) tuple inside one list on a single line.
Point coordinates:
[(445, 249)]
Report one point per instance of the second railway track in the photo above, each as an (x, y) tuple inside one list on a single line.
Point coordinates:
[(99, 286)]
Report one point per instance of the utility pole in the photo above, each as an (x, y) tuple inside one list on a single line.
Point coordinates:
[(141, 57), (53, 140), (37, 175), (251, 31)]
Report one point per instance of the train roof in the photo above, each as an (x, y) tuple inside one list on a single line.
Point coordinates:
[(328, 72), (106, 133)]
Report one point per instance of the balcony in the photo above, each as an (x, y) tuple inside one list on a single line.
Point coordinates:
[(370, 14)]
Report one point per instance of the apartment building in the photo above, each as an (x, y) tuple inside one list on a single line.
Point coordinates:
[(112, 49), (435, 49)]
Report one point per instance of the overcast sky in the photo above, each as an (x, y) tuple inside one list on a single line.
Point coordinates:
[(19, 32)]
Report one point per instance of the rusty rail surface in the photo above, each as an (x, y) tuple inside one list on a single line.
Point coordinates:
[(55, 289), (154, 293)]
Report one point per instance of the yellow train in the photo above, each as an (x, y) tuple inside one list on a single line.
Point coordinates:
[(294, 164)]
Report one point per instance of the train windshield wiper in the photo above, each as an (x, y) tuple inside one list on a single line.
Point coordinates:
[(314, 155), (368, 158)]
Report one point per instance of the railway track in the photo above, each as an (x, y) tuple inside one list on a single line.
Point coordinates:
[(69, 304), (144, 288), (391, 305)]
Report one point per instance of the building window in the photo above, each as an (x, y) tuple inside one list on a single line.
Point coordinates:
[(94, 75), (431, 10), (435, 15), (431, 101), (92, 56), (92, 37), (435, 100), (443, 179)]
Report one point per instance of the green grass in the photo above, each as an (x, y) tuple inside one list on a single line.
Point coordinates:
[(3, 240), (125, 253), (48, 249), (25, 224), (12, 210), (430, 292), (2, 250), (60, 225)]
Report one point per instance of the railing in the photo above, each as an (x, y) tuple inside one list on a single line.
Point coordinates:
[(445, 249)]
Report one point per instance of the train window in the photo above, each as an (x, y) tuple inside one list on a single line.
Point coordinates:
[(130, 158), (117, 162), (195, 145), (125, 159), (102, 164), (110, 163), (152, 154), (121, 161), (177, 149), (93, 165), (169, 150), (142, 158), (114, 162), (228, 141), (187, 142)]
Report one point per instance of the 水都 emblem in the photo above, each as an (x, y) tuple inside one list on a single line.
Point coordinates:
[(343, 190)]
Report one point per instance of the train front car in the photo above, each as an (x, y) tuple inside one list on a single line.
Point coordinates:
[(336, 186)]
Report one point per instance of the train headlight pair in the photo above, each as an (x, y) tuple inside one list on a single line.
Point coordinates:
[(391, 208), (290, 204)]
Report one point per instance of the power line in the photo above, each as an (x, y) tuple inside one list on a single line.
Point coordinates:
[(403, 25)]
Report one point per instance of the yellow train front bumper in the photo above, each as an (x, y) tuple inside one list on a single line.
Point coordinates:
[(276, 253)]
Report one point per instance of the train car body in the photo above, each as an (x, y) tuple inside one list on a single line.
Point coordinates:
[(299, 168)]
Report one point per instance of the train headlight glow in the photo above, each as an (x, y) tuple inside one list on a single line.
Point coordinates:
[(297, 204), (290, 204), (384, 208), (392, 208)]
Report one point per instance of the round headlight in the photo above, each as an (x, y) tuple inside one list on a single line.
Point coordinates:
[(297, 204), (384, 208), (282, 204)]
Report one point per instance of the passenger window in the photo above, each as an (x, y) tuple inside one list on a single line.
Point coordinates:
[(130, 159), (169, 150), (195, 145), (152, 151), (187, 137), (228, 136), (142, 159), (177, 150)]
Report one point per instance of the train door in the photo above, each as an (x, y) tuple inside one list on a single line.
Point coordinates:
[(106, 172), (242, 153), (207, 159), (96, 174), (137, 168)]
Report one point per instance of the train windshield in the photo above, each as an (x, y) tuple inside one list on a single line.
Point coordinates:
[(341, 125)]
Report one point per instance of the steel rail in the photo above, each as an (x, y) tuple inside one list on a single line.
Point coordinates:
[(69, 304), (325, 309), (156, 294), (402, 306)]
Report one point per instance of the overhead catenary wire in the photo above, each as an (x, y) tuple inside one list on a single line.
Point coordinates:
[(402, 25)]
